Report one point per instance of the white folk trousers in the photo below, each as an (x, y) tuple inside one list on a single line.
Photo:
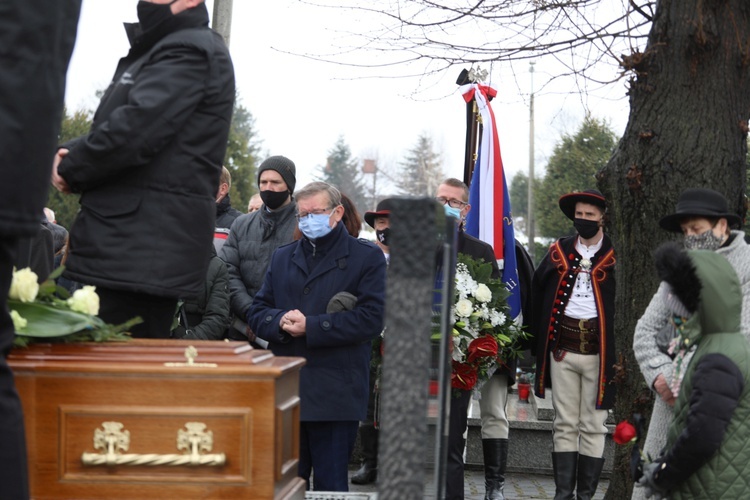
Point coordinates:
[(578, 425), (492, 407)]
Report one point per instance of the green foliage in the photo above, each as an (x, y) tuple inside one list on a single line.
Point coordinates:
[(241, 159), (73, 126), (342, 171), (519, 195), (422, 170), (572, 167)]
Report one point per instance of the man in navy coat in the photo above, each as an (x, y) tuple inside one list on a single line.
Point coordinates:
[(323, 299)]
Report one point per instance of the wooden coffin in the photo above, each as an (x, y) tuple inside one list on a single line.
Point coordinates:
[(140, 420)]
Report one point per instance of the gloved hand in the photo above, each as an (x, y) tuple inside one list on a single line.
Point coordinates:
[(652, 490)]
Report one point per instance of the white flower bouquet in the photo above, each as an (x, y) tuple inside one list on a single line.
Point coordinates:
[(484, 335), (49, 312)]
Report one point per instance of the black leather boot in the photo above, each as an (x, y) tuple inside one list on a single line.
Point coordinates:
[(589, 470), (564, 464), (368, 473), (495, 459)]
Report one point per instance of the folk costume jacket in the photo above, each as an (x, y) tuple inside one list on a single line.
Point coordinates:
[(551, 289)]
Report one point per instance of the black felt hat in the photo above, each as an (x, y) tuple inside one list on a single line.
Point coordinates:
[(592, 196), (699, 202), (383, 210)]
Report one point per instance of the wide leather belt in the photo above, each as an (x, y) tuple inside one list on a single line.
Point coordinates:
[(580, 336)]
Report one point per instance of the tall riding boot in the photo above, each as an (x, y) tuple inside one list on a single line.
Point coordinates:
[(564, 464), (495, 461), (589, 470), (368, 473)]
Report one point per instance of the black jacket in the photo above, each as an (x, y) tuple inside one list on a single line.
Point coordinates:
[(37, 39), (226, 213), (207, 316), (148, 170)]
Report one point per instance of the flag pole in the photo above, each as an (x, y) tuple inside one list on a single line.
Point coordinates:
[(470, 145), (473, 123)]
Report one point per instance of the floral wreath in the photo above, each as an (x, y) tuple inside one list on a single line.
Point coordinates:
[(484, 335)]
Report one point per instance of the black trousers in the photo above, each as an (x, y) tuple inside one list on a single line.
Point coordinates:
[(13, 464), (454, 480), (118, 306)]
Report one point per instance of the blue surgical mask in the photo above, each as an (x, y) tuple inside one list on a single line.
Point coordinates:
[(452, 212), (315, 226)]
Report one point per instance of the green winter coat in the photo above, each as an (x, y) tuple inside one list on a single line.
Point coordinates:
[(708, 444)]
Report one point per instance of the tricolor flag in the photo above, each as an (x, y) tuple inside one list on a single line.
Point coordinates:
[(490, 217)]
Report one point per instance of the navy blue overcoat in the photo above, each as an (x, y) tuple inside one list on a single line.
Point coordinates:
[(334, 381)]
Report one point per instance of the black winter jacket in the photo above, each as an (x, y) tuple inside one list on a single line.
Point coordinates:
[(148, 170), (36, 40), (207, 316), (226, 213)]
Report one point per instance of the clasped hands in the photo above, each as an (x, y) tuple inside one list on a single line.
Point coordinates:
[(294, 323)]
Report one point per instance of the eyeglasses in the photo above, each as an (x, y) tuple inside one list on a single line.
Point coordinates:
[(451, 203), (318, 211)]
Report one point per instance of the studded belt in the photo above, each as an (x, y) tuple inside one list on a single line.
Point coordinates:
[(580, 336)]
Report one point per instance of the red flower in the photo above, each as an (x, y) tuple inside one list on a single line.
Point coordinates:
[(463, 376), (482, 347), (624, 433)]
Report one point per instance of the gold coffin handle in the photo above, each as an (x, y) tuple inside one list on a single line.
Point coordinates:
[(113, 440)]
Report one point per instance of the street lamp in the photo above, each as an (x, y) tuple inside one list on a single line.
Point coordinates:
[(530, 207), (369, 167)]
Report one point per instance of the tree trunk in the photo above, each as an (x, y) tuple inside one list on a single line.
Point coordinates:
[(689, 107)]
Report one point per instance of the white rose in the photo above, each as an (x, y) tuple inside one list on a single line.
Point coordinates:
[(483, 293), (25, 285), (464, 308), (85, 300), (19, 322)]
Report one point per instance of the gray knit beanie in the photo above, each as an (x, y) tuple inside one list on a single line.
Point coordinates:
[(284, 166)]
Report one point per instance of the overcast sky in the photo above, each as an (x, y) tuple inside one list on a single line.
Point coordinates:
[(302, 106)]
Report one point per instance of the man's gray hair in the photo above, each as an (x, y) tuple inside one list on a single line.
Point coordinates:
[(453, 182), (334, 195)]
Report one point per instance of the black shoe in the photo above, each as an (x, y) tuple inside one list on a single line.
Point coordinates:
[(495, 453), (365, 475), (564, 465), (589, 470)]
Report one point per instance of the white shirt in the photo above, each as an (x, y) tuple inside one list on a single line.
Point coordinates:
[(581, 304)]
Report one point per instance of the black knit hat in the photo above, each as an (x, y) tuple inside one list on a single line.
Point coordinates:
[(592, 196), (699, 202), (284, 166)]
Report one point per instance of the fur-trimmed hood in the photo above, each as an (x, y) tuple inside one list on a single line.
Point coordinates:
[(706, 284)]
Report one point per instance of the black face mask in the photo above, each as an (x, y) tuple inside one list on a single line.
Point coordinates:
[(153, 14), (383, 235), (274, 199), (586, 228)]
